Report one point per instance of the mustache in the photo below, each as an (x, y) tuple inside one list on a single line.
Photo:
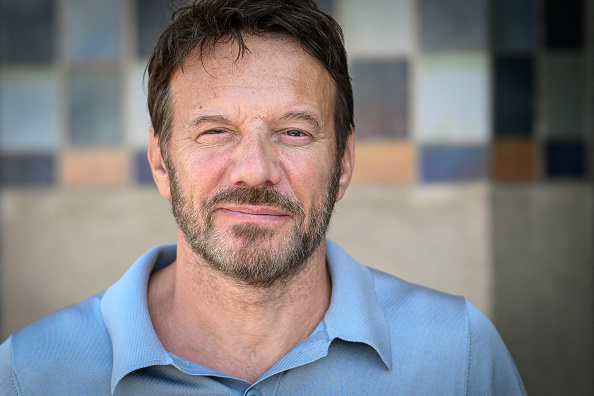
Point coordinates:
[(264, 196)]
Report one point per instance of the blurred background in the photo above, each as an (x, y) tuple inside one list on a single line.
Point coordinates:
[(473, 174)]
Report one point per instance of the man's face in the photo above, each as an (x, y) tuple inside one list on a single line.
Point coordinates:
[(252, 169)]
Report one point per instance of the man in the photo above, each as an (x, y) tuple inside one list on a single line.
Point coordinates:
[(252, 141)]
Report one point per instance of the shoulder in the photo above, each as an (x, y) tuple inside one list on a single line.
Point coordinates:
[(66, 346), (449, 332), (423, 305)]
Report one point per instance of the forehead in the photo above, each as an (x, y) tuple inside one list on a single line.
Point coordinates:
[(273, 69)]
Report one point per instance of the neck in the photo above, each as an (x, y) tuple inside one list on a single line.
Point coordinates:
[(236, 329)]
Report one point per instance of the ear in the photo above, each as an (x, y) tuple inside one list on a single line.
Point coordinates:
[(157, 164), (348, 164)]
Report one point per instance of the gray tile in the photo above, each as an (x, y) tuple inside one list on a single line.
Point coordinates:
[(383, 30), (95, 109), (452, 98), (153, 16), (92, 29), (27, 170), (138, 119), (513, 24), (542, 257), (29, 110), (453, 24), (514, 96), (564, 93), (381, 99), (26, 31)]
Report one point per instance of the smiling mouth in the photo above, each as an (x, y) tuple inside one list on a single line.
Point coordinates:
[(254, 213)]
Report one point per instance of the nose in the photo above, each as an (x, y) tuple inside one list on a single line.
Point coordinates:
[(255, 162)]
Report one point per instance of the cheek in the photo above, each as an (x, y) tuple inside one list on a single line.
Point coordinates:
[(203, 170), (308, 177)]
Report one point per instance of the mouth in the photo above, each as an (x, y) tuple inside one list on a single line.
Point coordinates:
[(253, 214)]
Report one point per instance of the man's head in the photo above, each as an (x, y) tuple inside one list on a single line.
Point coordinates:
[(197, 28), (247, 144)]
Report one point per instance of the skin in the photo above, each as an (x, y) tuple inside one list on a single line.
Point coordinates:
[(264, 119)]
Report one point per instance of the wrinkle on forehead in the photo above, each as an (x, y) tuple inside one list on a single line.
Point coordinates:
[(247, 73)]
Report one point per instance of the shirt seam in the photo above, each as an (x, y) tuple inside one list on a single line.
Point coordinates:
[(15, 380)]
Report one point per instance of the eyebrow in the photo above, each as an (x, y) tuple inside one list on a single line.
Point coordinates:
[(215, 119), (302, 116)]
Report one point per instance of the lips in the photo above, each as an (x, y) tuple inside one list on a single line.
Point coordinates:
[(253, 213)]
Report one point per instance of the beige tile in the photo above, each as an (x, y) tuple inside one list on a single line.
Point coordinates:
[(94, 169), (384, 163)]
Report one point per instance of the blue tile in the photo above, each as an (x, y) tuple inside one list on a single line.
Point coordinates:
[(143, 173), (514, 96), (92, 29), (26, 31), (565, 160), (380, 92), (564, 24), (450, 163), (153, 16), (453, 24), (95, 108), (29, 109), (513, 24), (33, 170)]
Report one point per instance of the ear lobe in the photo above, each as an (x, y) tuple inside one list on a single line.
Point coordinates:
[(348, 165), (158, 168)]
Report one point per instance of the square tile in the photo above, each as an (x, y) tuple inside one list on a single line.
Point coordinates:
[(94, 169), (454, 163), (29, 109), (27, 170), (514, 159), (384, 162), (381, 99), (326, 5), (383, 30), (564, 94), (565, 160), (142, 169), (92, 29), (513, 24), (453, 98), (95, 108), (453, 24), (138, 120), (26, 31), (153, 16), (514, 96), (564, 24)]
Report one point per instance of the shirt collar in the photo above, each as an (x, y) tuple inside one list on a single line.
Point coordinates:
[(355, 314), (127, 320)]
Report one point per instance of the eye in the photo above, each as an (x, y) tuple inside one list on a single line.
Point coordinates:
[(294, 133), (213, 136)]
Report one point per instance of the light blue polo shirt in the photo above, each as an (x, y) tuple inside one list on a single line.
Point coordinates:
[(380, 336)]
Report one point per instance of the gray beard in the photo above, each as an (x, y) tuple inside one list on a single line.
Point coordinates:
[(252, 263)]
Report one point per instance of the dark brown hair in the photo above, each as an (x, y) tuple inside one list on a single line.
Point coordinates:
[(201, 25)]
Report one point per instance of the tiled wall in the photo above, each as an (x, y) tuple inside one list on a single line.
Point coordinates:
[(473, 175), (445, 90)]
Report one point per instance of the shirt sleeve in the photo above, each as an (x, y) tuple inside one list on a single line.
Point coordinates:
[(7, 382), (491, 369)]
